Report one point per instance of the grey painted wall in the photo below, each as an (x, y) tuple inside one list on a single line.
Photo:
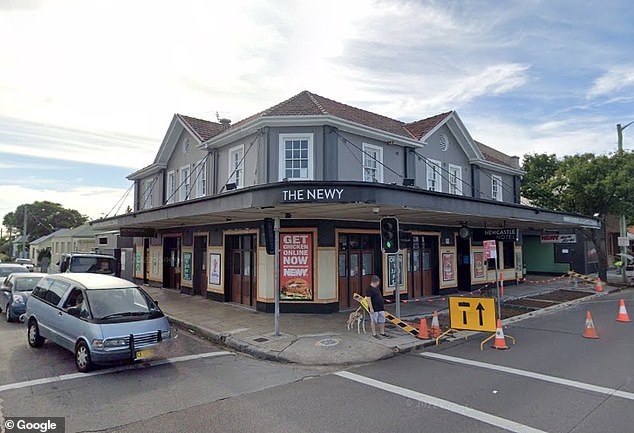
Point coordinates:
[(350, 158), (454, 154), (274, 150), (252, 149)]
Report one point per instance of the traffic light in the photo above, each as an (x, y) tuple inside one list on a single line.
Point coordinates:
[(389, 235), (269, 236)]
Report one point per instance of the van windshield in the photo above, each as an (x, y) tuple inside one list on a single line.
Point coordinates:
[(96, 265), (120, 303)]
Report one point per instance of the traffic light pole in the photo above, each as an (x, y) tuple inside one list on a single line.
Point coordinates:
[(397, 292)]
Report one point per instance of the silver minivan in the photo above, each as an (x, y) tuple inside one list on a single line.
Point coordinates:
[(100, 318)]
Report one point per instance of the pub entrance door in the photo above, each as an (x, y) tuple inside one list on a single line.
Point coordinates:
[(241, 257), (359, 257)]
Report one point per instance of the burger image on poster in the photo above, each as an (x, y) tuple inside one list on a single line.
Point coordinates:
[(296, 288)]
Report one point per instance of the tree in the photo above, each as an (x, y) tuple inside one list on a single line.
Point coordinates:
[(586, 184), (43, 217)]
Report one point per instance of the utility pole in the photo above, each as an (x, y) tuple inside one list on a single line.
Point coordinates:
[(24, 233), (623, 225), (276, 275)]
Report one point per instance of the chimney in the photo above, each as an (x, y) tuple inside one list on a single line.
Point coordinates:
[(226, 123), (516, 161)]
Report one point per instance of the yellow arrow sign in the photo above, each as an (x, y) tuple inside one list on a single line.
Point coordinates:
[(472, 314)]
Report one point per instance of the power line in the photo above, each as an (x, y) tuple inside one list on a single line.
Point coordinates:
[(345, 140), (239, 164)]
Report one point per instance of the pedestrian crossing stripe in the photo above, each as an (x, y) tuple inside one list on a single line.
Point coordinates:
[(389, 317)]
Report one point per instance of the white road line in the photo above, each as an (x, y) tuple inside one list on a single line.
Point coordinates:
[(63, 377), (532, 375), (442, 404)]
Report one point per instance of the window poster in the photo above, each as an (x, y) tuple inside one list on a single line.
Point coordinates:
[(296, 266), (214, 268), (479, 265), (138, 262), (448, 273), (187, 266), (391, 270)]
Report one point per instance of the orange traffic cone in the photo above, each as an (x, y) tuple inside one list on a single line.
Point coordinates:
[(435, 331), (598, 287), (500, 341), (422, 329), (622, 316), (589, 331)]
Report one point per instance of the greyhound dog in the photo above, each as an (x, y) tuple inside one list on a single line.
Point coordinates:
[(357, 316)]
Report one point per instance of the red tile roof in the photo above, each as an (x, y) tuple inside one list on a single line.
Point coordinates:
[(492, 155), (421, 127), (203, 129), (309, 104)]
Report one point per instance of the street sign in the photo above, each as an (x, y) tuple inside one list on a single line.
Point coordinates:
[(623, 241), (490, 249), (472, 314)]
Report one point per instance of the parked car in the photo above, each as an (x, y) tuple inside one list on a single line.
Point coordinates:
[(14, 292), (100, 318), (26, 263), (87, 262), (10, 268)]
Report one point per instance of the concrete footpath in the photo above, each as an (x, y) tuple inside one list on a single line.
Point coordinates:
[(317, 339)]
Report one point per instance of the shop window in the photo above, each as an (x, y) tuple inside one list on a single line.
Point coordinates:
[(343, 271), (354, 242), (366, 268), (343, 242), (354, 265)]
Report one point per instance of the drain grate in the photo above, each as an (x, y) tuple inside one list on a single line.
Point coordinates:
[(260, 339)]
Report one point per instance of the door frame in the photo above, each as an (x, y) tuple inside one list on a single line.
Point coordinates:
[(201, 287), (352, 231), (227, 262)]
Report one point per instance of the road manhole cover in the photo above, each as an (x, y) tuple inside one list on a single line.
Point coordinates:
[(327, 342)]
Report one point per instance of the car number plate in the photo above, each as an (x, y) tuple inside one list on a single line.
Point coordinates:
[(143, 354)]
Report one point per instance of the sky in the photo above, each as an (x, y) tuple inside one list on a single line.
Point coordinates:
[(88, 88)]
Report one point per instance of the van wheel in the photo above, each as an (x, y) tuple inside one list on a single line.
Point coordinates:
[(35, 340), (8, 313), (82, 357)]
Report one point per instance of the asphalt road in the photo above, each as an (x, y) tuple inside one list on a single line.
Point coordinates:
[(553, 380)]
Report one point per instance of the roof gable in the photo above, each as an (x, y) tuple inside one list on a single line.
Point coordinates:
[(422, 127), (203, 130)]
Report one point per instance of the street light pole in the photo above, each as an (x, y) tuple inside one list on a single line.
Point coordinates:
[(623, 225), (24, 234)]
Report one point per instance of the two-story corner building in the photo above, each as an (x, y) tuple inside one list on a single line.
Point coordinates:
[(330, 171)]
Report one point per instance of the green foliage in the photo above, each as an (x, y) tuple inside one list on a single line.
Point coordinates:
[(585, 183), (43, 217)]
